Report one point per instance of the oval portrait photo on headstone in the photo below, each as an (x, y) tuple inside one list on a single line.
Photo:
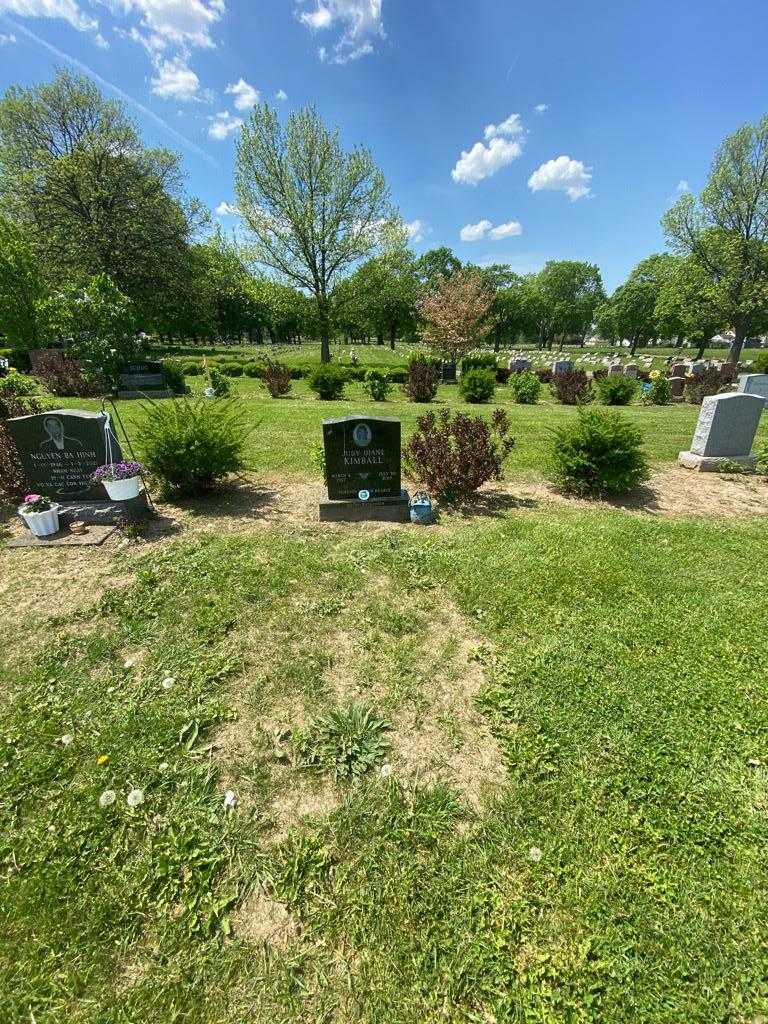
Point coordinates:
[(362, 435)]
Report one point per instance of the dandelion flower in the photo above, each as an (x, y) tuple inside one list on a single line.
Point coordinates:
[(168, 682), (135, 797), (107, 798), (102, 759), (385, 770), (535, 854), (230, 799)]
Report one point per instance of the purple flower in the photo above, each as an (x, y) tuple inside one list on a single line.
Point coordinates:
[(117, 471)]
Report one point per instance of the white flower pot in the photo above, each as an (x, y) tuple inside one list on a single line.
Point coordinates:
[(42, 524), (123, 490)]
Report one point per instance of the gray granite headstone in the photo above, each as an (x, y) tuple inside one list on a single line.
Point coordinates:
[(519, 364), (754, 384), (631, 369), (562, 366), (615, 368), (362, 453), (698, 367), (676, 386), (725, 430)]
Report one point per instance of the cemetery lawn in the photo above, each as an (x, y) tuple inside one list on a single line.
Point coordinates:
[(286, 432), (574, 829)]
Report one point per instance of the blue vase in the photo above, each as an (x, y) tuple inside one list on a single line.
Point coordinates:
[(421, 509)]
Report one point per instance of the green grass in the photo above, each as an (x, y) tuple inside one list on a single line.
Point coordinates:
[(625, 669), (288, 430)]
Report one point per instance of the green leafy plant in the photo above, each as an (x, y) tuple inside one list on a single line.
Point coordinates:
[(328, 382), (599, 453), (660, 392), (453, 455), (617, 389), (477, 386), (217, 382), (189, 445), (18, 385), (759, 363), (378, 385), (348, 741), (423, 379), (486, 361), (761, 457), (525, 387), (174, 376)]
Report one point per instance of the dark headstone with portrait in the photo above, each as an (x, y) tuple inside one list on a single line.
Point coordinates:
[(59, 450), (362, 469)]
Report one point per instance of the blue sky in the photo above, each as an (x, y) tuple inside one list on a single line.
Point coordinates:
[(632, 100)]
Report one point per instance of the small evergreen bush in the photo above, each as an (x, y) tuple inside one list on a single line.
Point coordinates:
[(232, 368), (572, 388), (193, 369), (453, 455), (660, 392), (616, 389), (423, 379), (599, 453), (218, 382), (328, 382), (525, 387), (189, 446), (252, 369), (378, 385), (477, 385), (759, 363), (174, 376)]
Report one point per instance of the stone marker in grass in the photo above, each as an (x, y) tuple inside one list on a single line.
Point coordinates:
[(725, 431), (754, 384), (362, 470)]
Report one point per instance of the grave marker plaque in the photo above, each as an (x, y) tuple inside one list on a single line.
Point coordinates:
[(362, 468)]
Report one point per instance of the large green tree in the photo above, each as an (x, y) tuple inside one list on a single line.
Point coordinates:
[(568, 293), (21, 287), (725, 231), (383, 293), (631, 311), (314, 210), (688, 303), (93, 199)]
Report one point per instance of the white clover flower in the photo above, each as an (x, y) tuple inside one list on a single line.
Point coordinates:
[(230, 799), (168, 683), (135, 797), (66, 739), (535, 854), (107, 798)]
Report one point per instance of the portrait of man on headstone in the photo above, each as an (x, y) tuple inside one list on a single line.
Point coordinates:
[(57, 439)]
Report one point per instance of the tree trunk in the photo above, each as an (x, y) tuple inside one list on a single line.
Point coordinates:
[(702, 346), (379, 337), (737, 344), (633, 347), (392, 337)]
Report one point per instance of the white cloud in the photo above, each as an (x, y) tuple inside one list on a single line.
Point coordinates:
[(683, 186), (174, 80), (245, 95), (225, 209), (181, 23), (416, 230), (482, 161), (7, 40), (360, 22), (281, 94), (511, 127), (562, 175), (66, 10), (223, 124), (541, 108), (508, 230), (475, 232)]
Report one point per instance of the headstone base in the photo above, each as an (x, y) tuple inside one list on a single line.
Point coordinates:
[(96, 535), (106, 513), (122, 395), (713, 464), (388, 510)]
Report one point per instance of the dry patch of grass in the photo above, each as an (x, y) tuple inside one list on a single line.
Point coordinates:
[(260, 919)]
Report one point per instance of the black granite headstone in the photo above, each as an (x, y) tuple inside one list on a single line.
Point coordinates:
[(142, 377), (60, 449), (362, 453)]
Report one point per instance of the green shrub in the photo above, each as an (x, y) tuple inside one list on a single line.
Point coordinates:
[(193, 369), (759, 363), (598, 453), (348, 741), (660, 392), (328, 382), (761, 457), (218, 383), (378, 385), (423, 379), (479, 362), (18, 385), (617, 389), (231, 369), (253, 370), (190, 445), (525, 387), (477, 385), (174, 376)]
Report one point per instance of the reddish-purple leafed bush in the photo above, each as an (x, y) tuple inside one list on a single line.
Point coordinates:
[(572, 388), (277, 378), (453, 455), (11, 474), (423, 379), (63, 376)]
